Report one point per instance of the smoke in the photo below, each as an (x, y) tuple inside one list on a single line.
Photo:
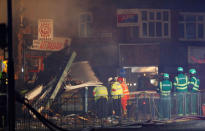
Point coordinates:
[(63, 12)]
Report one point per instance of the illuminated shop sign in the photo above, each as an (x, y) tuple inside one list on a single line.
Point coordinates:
[(127, 17)]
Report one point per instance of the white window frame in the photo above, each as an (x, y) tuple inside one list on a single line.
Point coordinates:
[(85, 24), (155, 11), (196, 22)]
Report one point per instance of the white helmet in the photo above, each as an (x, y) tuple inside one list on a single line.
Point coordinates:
[(110, 79)]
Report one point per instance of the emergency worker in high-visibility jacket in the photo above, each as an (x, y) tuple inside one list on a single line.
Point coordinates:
[(194, 89), (165, 87), (100, 94), (126, 94), (181, 87), (116, 92)]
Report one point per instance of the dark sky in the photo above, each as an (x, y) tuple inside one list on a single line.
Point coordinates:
[(185, 5)]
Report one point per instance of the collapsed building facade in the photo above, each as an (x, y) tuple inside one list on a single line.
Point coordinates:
[(166, 36), (145, 38)]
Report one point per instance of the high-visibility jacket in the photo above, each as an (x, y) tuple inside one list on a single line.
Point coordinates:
[(194, 82), (116, 90), (100, 92), (165, 87), (125, 90), (181, 83), (125, 96)]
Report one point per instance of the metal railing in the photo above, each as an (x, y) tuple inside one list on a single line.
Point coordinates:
[(141, 107)]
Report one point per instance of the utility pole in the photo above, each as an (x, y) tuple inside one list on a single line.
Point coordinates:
[(11, 87)]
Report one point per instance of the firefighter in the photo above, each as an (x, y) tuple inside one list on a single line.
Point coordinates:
[(125, 96), (100, 94), (194, 89), (116, 92), (165, 87), (181, 87)]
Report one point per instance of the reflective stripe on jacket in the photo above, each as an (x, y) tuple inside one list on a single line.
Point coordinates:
[(181, 83), (100, 92), (125, 90), (195, 83), (165, 87), (116, 90)]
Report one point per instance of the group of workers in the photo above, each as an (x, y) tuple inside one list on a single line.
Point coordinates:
[(119, 95), (184, 88)]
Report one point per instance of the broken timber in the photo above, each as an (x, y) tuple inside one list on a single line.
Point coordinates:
[(61, 80)]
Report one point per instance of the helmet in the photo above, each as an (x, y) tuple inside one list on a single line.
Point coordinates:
[(192, 71), (122, 72), (120, 79), (180, 69), (110, 79), (166, 75)]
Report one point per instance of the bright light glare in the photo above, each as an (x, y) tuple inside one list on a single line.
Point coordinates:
[(154, 82)]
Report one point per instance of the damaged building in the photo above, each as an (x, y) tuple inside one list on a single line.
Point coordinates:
[(119, 38), (63, 51)]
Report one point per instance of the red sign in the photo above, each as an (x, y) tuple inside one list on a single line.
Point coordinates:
[(50, 45), (127, 17), (45, 29)]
